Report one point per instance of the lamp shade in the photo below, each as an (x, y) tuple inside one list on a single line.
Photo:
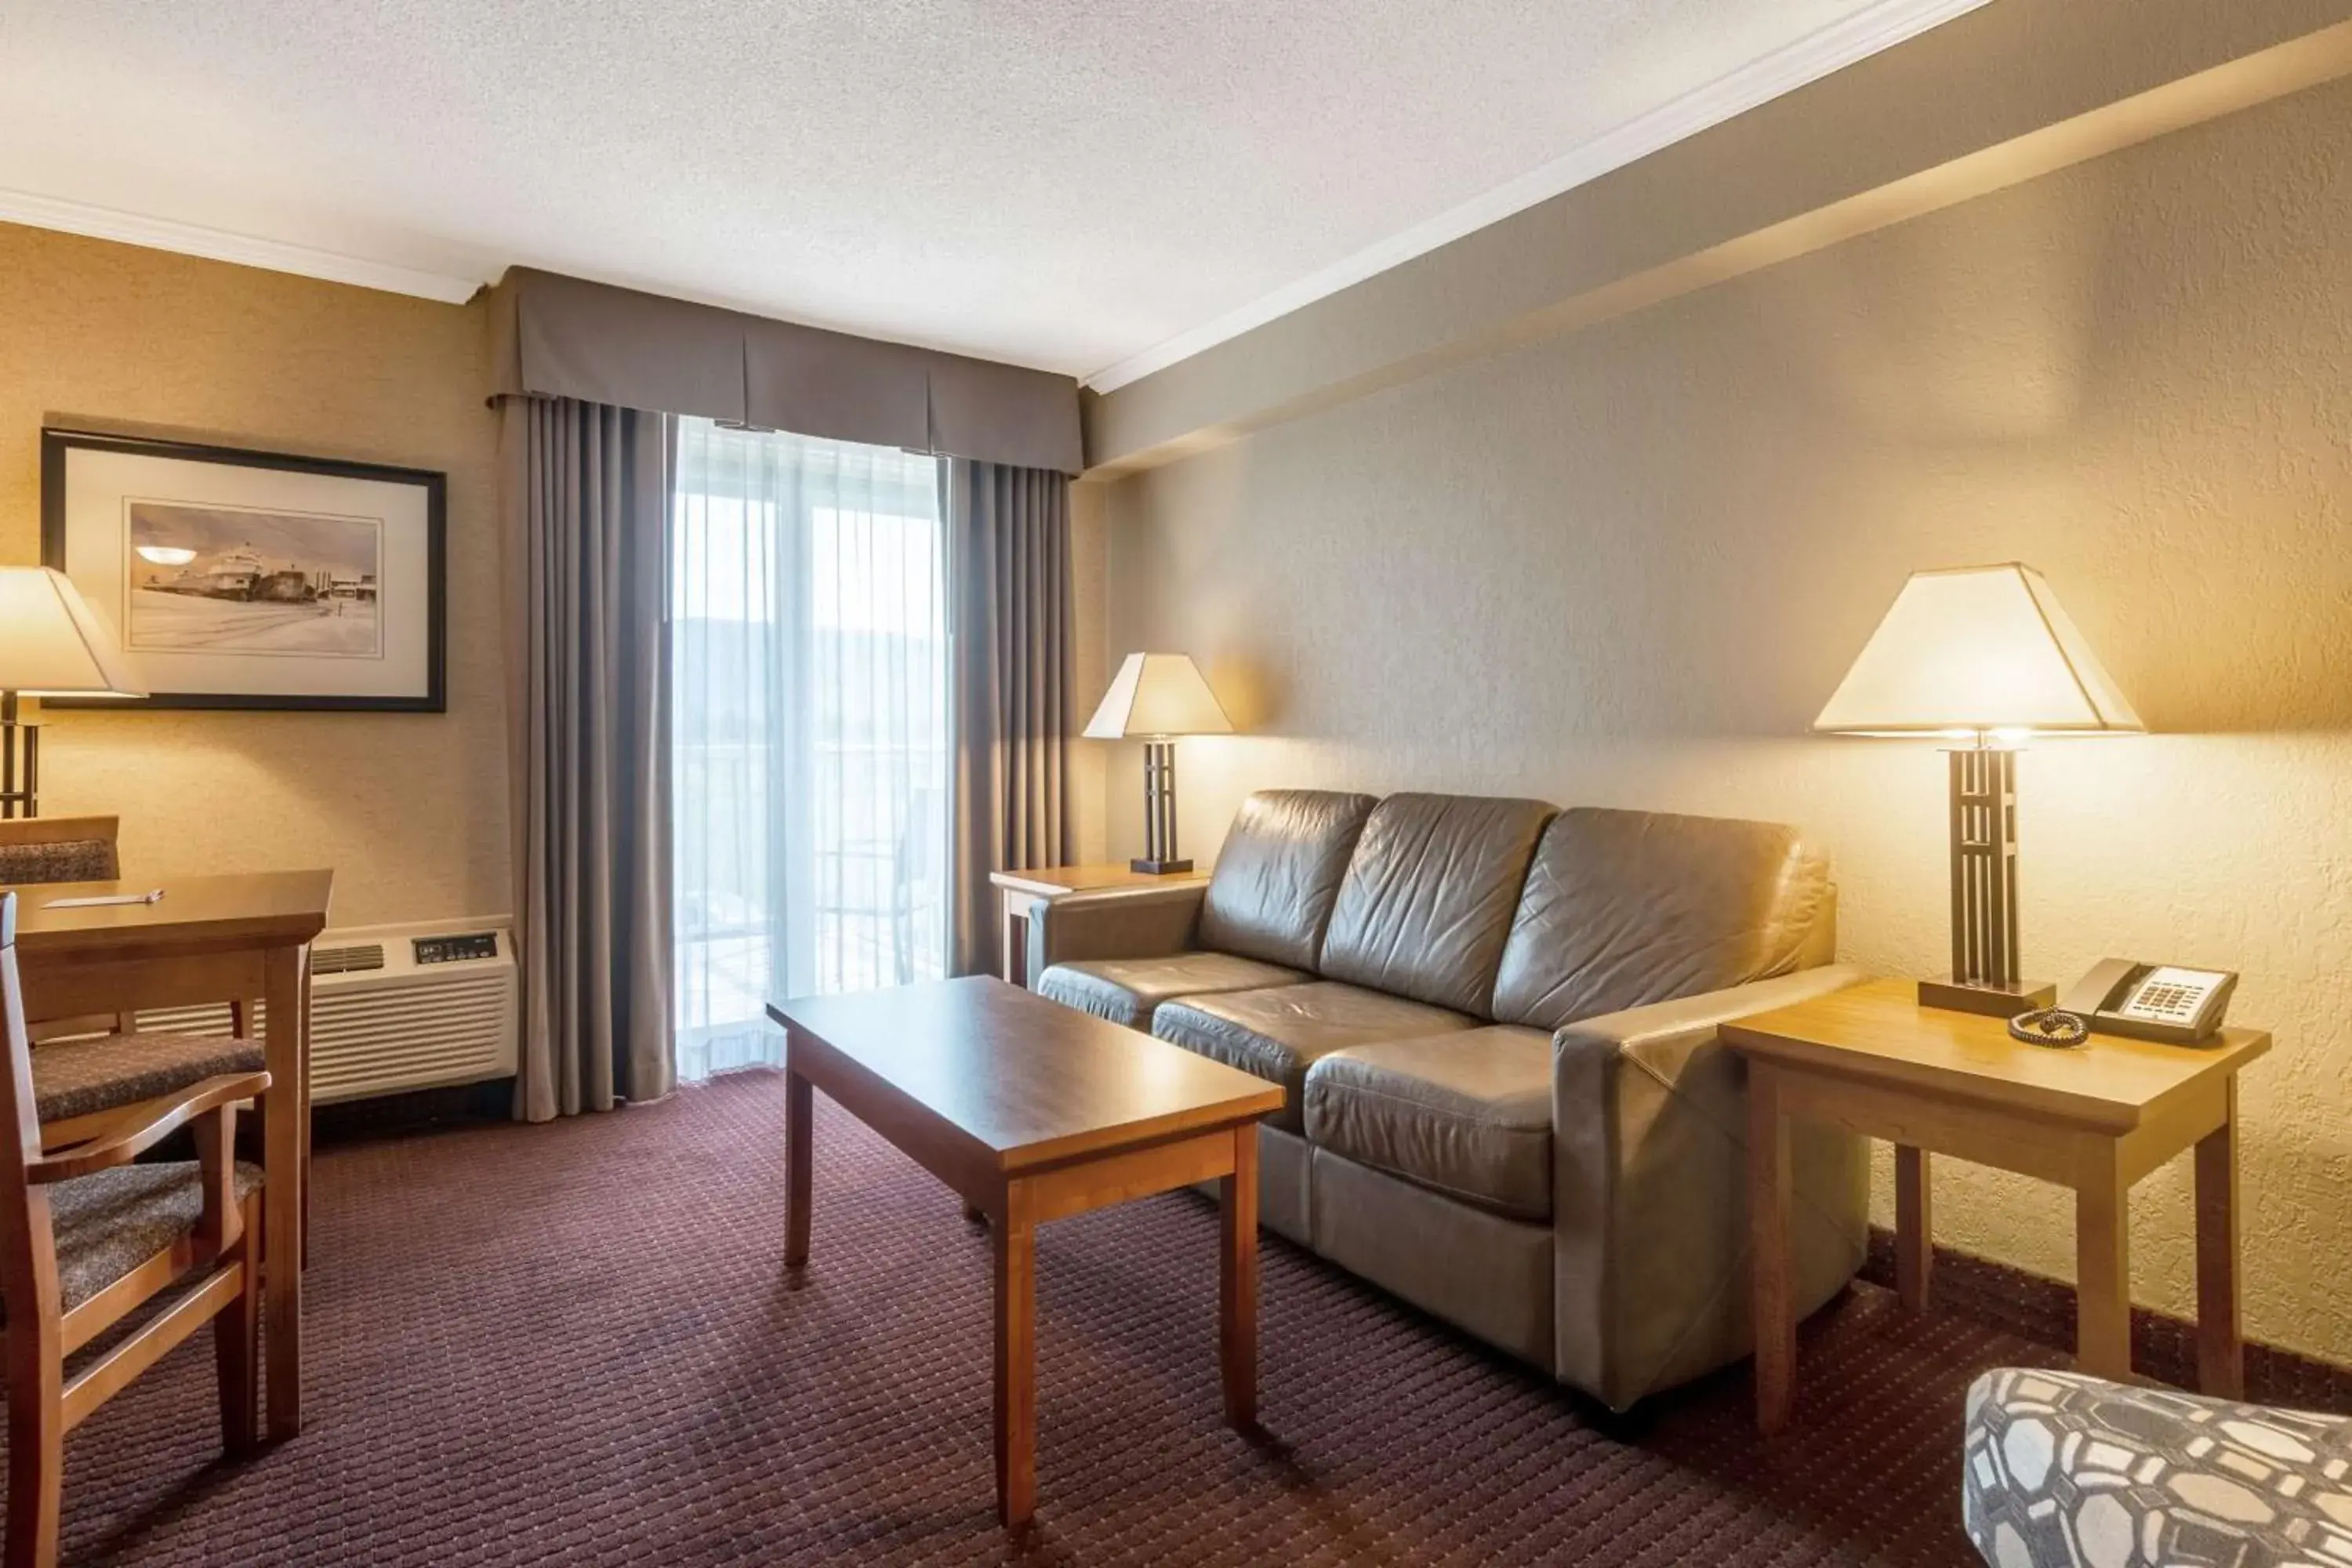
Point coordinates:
[(1157, 694), (1973, 649), (53, 645)]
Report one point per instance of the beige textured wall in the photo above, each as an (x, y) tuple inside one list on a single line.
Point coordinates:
[(1627, 566), (409, 809)]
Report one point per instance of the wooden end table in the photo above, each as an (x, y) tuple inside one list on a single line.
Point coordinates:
[(1019, 889), (1033, 1111), (2095, 1118)]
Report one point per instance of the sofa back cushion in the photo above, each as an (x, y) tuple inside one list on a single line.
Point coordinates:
[(1426, 904), (1627, 908), (1271, 894)]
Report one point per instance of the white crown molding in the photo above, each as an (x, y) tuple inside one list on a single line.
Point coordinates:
[(219, 245), (1831, 48)]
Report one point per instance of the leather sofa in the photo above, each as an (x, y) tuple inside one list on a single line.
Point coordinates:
[(1497, 1025)]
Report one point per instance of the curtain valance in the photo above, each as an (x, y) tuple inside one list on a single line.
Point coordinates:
[(555, 336)]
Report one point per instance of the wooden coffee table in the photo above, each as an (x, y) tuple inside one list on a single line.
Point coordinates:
[(1032, 1111)]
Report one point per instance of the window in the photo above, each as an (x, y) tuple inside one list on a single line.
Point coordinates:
[(810, 667)]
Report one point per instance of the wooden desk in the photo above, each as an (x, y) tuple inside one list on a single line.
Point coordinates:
[(1032, 1111), (1019, 889), (2095, 1118), (209, 939)]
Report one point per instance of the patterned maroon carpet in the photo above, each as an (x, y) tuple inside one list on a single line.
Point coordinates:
[(575, 1344)]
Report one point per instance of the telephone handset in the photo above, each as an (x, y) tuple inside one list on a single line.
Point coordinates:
[(2152, 1001)]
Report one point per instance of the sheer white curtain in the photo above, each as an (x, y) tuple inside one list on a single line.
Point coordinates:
[(810, 672)]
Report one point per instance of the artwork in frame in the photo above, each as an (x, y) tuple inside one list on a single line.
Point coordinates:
[(247, 579)]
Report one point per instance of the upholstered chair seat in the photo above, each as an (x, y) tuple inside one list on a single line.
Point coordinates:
[(106, 1072), (1130, 990), (1468, 1115), (2067, 1471), (110, 1222), (1280, 1033)]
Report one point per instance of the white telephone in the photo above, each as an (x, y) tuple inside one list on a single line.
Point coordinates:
[(2152, 1001)]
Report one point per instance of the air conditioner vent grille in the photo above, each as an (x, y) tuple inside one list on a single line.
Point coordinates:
[(381, 1022)]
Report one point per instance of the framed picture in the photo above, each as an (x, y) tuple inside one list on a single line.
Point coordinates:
[(240, 579)]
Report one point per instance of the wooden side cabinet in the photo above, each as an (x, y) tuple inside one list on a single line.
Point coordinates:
[(1017, 891), (2094, 1118)]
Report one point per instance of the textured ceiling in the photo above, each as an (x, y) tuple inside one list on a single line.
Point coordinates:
[(1059, 183)]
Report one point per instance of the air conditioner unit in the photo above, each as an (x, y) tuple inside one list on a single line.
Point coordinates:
[(396, 1008)]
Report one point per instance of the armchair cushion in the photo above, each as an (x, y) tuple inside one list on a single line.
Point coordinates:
[(109, 1223), (2065, 1470), (1466, 1114), (80, 1078), (1280, 1033), (1279, 873), (1129, 990)]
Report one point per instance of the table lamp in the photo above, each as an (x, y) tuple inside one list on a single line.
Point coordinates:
[(1984, 657), (1159, 696), (51, 644)]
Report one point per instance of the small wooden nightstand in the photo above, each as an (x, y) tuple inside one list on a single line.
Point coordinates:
[(1019, 889), (2095, 1118)]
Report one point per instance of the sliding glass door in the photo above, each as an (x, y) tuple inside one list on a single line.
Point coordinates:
[(810, 667)]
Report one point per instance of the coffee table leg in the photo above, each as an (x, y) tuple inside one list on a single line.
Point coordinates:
[(1768, 1215), (1013, 1243), (798, 1168), (1237, 1281)]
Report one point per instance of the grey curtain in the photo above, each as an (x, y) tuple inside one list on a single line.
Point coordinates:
[(584, 493), (1009, 595)]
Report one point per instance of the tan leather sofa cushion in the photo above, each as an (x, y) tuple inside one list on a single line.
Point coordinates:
[(1279, 1034), (1427, 902), (1278, 874), (1623, 909), (1467, 1114), (1127, 990)]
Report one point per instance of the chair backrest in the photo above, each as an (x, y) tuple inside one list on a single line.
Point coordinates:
[(1270, 897), (28, 1268), (1427, 900), (1623, 909), (60, 849)]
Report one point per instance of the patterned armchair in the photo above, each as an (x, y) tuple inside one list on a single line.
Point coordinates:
[(2068, 1471)]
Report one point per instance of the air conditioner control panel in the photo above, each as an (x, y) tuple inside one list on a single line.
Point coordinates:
[(456, 949)]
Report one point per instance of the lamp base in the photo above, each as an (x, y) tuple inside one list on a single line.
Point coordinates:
[(2006, 1001), (1160, 867)]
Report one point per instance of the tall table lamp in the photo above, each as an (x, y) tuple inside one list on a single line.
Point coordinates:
[(51, 644), (1159, 696), (1985, 658)]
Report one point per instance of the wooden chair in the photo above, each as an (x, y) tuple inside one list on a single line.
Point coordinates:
[(86, 1068), (86, 1237)]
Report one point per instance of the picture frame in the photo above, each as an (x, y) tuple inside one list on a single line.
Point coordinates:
[(255, 580)]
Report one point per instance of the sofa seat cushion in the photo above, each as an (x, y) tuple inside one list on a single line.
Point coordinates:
[(1279, 1034), (1129, 990), (1467, 1114)]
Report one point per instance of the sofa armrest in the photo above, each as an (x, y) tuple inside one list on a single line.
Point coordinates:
[(1153, 922), (1650, 1191)]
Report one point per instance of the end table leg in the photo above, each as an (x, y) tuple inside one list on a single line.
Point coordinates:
[(1915, 1229), (1767, 1214), (798, 1166), (1013, 1243), (2221, 1347), (2102, 1264), (1237, 1282)]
